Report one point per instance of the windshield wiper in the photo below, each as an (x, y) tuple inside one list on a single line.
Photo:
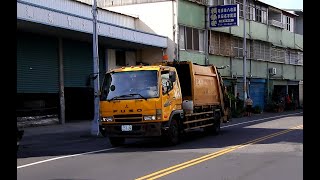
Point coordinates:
[(126, 95), (132, 94), (116, 97)]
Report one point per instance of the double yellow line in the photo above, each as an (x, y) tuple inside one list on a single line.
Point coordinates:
[(192, 162)]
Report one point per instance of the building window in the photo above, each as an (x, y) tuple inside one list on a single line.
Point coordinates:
[(277, 54), (261, 50), (120, 58), (191, 39), (261, 14), (218, 2), (195, 36), (250, 13), (238, 48), (300, 58), (223, 2), (181, 38), (288, 23), (293, 57), (220, 43)]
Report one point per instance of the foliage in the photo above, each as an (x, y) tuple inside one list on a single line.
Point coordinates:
[(257, 109), (273, 106)]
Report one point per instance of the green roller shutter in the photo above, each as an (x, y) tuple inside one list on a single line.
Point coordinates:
[(77, 63), (37, 64)]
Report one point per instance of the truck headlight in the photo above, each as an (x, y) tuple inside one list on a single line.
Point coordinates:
[(148, 118), (158, 114), (107, 119)]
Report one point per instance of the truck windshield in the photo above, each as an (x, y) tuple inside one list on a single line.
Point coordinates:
[(130, 85)]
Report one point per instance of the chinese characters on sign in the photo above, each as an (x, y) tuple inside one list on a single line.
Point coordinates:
[(224, 16)]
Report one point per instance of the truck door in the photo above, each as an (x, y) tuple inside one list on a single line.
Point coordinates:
[(171, 93)]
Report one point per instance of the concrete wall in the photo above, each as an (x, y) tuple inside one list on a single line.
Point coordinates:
[(299, 41), (279, 69), (288, 39), (221, 61), (238, 30), (191, 56), (196, 18), (258, 31), (299, 72), (237, 67), (258, 69), (299, 25), (288, 71), (275, 35)]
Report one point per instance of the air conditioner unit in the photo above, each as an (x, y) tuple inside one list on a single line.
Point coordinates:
[(272, 71)]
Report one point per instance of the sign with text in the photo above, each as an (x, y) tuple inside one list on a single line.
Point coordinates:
[(224, 16)]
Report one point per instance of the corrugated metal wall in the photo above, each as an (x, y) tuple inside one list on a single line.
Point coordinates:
[(78, 63), (37, 64)]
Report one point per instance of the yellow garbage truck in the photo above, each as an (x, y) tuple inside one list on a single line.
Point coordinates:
[(165, 100)]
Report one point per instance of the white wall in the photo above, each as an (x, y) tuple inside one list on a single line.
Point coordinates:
[(155, 18)]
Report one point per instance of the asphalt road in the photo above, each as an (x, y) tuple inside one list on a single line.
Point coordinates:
[(247, 149)]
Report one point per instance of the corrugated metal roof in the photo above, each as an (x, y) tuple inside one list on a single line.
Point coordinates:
[(84, 10)]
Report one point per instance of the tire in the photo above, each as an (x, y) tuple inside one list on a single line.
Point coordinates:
[(217, 126), (102, 131), (116, 141), (173, 135)]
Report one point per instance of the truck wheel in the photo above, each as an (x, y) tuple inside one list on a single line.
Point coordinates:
[(217, 127), (116, 141), (173, 135), (103, 131)]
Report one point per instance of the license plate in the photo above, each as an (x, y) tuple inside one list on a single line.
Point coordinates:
[(126, 128)]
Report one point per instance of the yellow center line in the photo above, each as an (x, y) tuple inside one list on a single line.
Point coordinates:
[(186, 164)]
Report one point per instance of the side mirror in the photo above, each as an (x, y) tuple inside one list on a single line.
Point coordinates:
[(172, 76), (112, 87)]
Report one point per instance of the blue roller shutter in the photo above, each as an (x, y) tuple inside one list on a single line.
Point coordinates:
[(77, 63), (257, 93), (37, 64)]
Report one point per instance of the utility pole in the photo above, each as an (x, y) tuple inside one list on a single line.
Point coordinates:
[(244, 52), (95, 121)]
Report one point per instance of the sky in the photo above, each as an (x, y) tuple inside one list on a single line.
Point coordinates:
[(285, 4)]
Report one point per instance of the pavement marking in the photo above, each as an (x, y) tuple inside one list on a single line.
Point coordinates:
[(193, 162), (259, 120), (62, 157), (91, 152)]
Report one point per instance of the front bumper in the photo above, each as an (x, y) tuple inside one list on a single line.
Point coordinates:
[(138, 130)]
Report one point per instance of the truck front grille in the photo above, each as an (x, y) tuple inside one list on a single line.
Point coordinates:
[(128, 118)]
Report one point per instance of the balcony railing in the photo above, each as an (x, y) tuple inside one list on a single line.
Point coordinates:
[(276, 23)]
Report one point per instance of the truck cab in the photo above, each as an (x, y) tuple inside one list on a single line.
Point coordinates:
[(137, 101)]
